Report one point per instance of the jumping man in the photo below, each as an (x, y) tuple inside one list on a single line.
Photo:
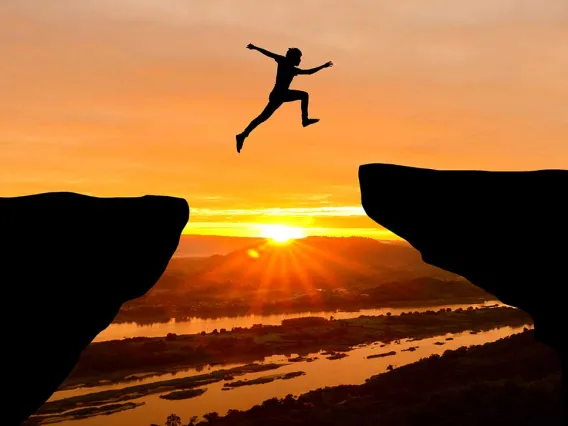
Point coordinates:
[(287, 70)]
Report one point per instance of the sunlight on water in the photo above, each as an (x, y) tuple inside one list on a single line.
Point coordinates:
[(188, 372), (353, 369), (197, 325)]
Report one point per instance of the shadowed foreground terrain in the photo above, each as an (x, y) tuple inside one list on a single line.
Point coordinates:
[(309, 274), (301, 340), (115, 360), (514, 381), (68, 262)]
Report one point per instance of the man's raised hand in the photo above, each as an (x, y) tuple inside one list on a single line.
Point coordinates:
[(328, 64), (251, 46)]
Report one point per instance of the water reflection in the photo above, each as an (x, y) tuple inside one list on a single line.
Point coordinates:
[(353, 369), (149, 378), (197, 325)]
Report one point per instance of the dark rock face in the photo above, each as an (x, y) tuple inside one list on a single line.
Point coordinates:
[(67, 263), (506, 232)]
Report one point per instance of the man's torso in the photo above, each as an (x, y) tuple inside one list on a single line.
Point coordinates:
[(284, 76)]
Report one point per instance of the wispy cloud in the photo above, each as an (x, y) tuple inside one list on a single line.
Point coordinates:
[(324, 220), (250, 229), (286, 212)]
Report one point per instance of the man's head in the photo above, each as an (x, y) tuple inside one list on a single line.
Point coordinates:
[(294, 55)]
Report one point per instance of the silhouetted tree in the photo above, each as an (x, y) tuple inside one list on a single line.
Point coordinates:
[(173, 420), (211, 417)]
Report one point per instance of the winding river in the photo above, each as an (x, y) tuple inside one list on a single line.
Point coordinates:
[(353, 369)]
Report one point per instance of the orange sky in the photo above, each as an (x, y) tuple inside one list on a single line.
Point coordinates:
[(133, 97)]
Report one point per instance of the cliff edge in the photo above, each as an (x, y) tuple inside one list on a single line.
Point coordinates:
[(506, 232), (67, 263)]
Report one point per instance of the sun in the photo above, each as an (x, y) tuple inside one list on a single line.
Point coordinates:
[(281, 233)]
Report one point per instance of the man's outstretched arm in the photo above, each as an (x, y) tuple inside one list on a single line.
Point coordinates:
[(316, 69), (263, 51)]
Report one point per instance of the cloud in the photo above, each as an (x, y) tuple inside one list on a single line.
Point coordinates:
[(283, 212), (253, 229)]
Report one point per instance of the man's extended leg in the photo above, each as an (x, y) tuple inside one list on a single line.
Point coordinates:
[(262, 117), (304, 97)]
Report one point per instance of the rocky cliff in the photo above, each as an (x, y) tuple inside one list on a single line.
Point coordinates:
[(67, 263), (506, 232)]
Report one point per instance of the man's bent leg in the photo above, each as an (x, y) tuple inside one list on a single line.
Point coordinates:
[(304, 97), (304, 105), (298, 95)]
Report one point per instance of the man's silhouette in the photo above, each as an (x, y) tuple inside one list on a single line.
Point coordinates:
[(287, 70)]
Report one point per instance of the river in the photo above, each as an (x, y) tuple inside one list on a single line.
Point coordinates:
[(197, 325), (353, 369)]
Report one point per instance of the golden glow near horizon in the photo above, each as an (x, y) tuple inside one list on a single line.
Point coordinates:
[(281, 233), (121, 98)]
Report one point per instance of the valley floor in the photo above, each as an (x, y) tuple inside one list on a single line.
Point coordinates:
[(125, 362), (115, 361), (514, 381)]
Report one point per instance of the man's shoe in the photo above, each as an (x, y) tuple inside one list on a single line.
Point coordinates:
[(307, 121), (240, 142)]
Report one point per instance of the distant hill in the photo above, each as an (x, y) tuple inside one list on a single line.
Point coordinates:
[(210, 245), (305, 264), (311, 273)]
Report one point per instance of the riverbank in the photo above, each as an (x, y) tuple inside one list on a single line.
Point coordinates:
[(512, 381), (90, 405), (319, 370), (123, 360), (155, 313), (195, 325)]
